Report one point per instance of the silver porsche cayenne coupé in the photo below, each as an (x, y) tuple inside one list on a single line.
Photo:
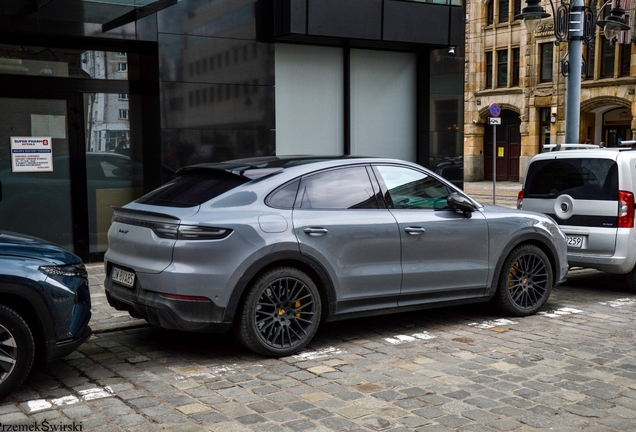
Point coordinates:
[(272, 247)]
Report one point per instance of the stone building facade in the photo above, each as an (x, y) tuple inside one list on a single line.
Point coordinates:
[(522, 73)]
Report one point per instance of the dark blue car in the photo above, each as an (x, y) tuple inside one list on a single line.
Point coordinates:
[(45, 305)]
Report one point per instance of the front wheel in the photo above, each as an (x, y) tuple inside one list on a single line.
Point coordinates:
[(525, 282), (17, 350), (280, 314)]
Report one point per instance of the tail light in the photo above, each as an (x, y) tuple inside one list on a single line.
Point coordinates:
[(520, 200), (625, 209)]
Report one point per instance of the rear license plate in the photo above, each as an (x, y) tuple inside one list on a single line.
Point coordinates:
[(574, 241), (123, 277)]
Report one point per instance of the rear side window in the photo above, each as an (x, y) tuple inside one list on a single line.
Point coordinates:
[(193, 188), (587, 178), (345, 188)]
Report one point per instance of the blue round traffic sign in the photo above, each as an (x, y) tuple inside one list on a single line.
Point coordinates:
[(495, 110)]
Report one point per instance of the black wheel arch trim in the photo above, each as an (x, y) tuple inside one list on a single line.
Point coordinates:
[(283, 258), (526, 238), (25, 292)]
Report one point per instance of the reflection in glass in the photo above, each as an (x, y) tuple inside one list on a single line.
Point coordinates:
[(36, 203)]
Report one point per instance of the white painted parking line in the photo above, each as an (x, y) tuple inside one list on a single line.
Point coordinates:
[(38, 405), (619, 302), (400, 339), (87, 395), (560, 312), (320, 354), (493, 323), (96, 393)]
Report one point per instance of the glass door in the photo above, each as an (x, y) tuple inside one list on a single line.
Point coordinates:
[(35, 198), (114, 174)]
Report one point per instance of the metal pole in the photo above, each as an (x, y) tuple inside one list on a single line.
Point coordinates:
[(494, 163), (573, 89)]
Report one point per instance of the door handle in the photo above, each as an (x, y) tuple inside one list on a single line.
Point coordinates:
[(415, 230), (316, 231)]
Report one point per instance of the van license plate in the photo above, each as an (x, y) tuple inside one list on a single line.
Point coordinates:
[(123, 277), (574, 241)]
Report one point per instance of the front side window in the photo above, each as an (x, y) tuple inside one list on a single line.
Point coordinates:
[(412, 189), (546, 61), (338, 189)]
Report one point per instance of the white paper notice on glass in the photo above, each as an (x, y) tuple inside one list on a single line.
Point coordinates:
[(31, 154)]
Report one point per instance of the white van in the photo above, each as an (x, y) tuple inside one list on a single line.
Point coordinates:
[(590, 194)]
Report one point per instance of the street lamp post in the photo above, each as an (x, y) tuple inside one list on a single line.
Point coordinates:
[(574, 24)]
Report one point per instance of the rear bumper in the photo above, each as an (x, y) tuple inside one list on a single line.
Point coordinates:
[(192, 316)]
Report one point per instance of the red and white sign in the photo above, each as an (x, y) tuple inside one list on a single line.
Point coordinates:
[(31, 154)]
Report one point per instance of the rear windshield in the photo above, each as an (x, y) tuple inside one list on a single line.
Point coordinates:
[(193, 188), (589, 179)]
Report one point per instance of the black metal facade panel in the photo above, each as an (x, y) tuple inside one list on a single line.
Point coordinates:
[(416, 22), (293, 15), (457, 26), (355, 19)]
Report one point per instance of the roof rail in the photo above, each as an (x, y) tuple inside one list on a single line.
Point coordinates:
[(557, 147)]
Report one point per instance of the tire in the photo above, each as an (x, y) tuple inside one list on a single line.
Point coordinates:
[(630, 279), (280, 314), (17, 350), (525, 282)]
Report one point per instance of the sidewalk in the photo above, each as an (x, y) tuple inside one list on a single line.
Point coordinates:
[(506, 192)]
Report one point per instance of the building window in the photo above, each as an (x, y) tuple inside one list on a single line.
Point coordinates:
[(121, 53), (123, 114), (491, 12), (544, 126), (607, 58), (626, 53), (546, 61), (123, 96), (504, 10), (589, 64), (515, 66), (517, 9), (489, 70), (502, 68), (122, 67)]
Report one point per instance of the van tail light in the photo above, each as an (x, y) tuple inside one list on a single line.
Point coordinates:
[(520, 200), (625, 209)]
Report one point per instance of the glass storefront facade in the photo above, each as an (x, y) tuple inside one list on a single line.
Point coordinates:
[(142, 92)]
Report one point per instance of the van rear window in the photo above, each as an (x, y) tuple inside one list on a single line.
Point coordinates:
[(193, 188), (581, 178)]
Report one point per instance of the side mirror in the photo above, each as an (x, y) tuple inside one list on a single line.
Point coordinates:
[(460, 203)]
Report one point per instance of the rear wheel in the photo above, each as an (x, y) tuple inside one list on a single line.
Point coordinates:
[(280, 314), (17, 350), (630, 278), (525, 282)]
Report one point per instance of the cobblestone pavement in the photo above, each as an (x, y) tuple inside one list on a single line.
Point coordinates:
[(570, 368)]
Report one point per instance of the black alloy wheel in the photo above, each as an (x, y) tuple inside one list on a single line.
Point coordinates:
[(525, 282), (17, 350), (281, 313)]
